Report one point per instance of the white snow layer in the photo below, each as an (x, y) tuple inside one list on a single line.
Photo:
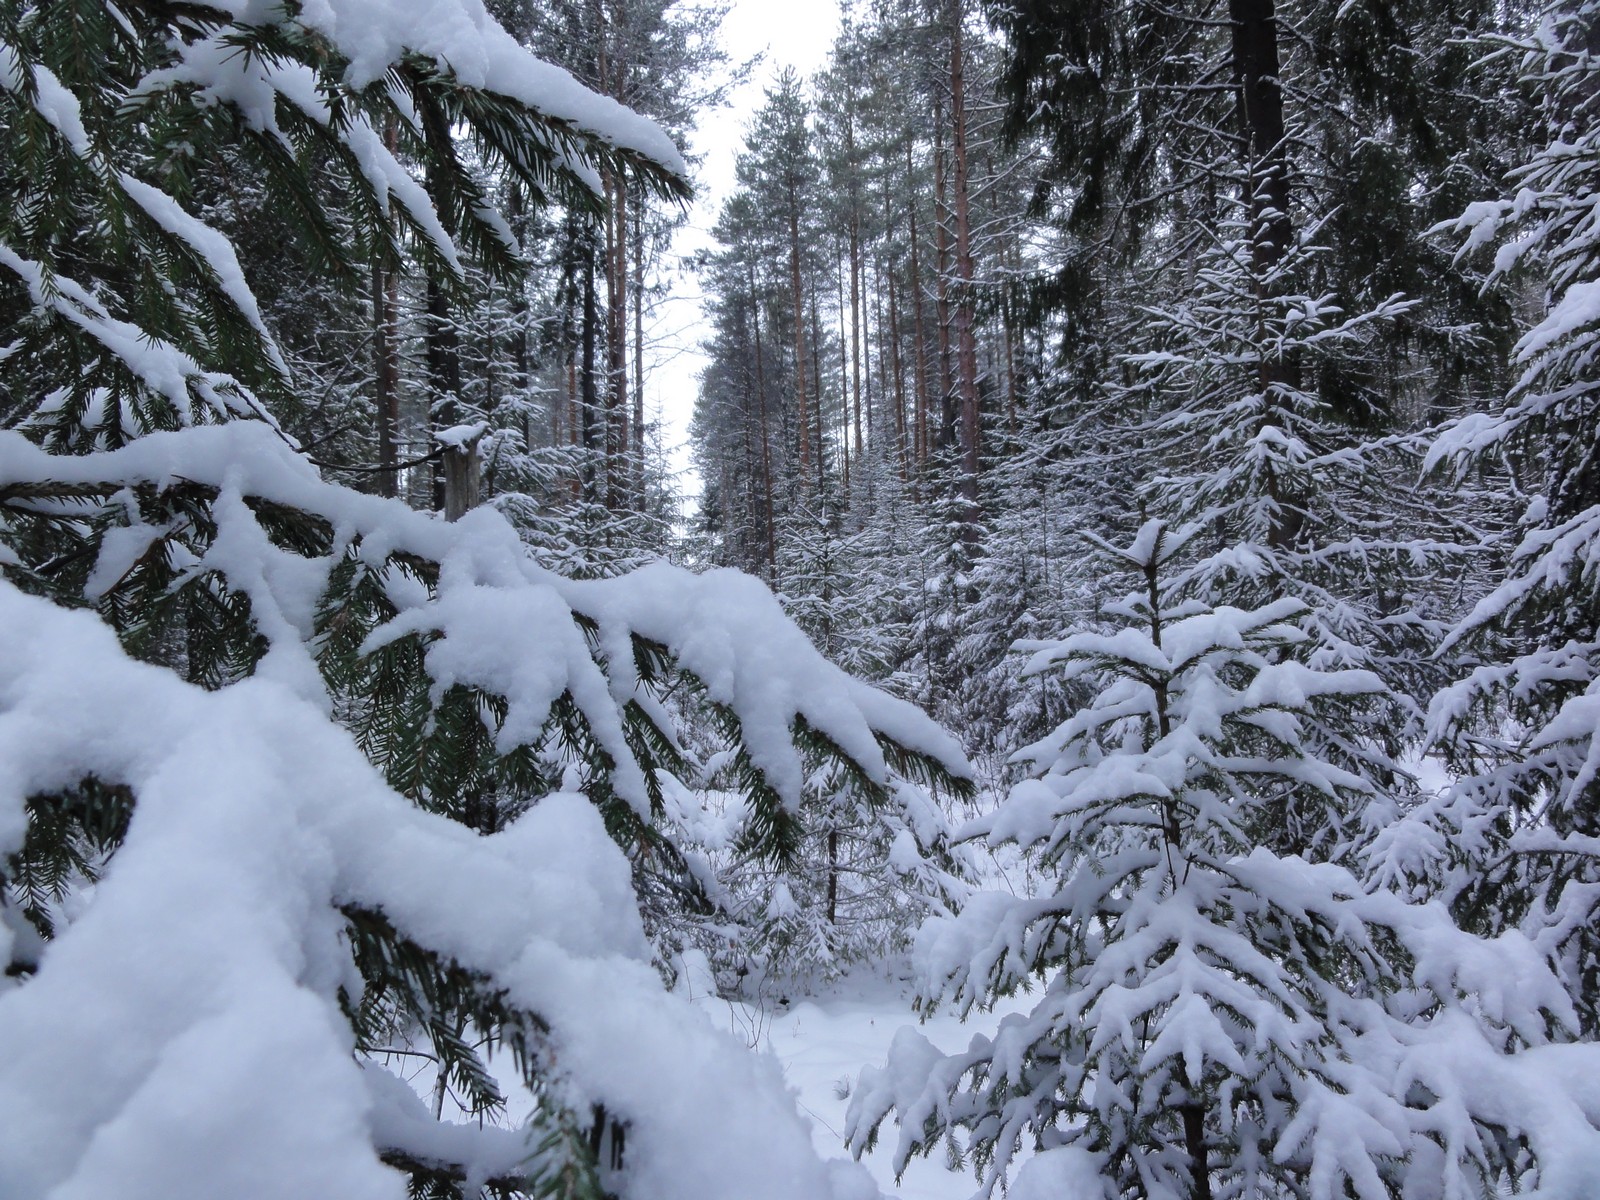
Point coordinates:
[(464, 40), (212, 248), (160, 366), (183, 1036), (507, 623)]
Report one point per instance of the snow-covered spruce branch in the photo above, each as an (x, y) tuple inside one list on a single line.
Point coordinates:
[(479, 685), (187, 1033), (490, 618)]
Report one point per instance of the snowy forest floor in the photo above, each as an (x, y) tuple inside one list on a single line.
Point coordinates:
[(824, 1039)]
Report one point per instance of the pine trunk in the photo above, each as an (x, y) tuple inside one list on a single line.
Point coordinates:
[(919, 357), (766, 441), (799, 302), (941, 246), (966, 342), (638, 357)]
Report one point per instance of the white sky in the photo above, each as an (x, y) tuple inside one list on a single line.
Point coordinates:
[(795, 33)]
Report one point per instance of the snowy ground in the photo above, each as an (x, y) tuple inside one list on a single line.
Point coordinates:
[(824, 1040)]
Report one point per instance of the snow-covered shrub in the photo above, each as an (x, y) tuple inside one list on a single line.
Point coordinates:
[(868, 867), (1257, 393), (862, 866), (1224, 1008)]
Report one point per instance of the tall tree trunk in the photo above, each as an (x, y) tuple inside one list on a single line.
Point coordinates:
[(766, 442), (618, 468), (386, 353), (857, 307), (1008, 318), (875, 414), (618, 472), (816, 375), (385, 380), (521, 351), (897, 369), (444, 371), (589, 404), (919, 357), (1261, 131), (638, 356), (844, 383), (966, 344), (941, 245), (1260, 105), (799, 300), (443, 349)]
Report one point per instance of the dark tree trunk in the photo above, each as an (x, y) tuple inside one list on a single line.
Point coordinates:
[(638, 356), (966, 343), (1194, 1138), (919, 333), (1261, 131), (941, 245), (444, 371), (766, 442), (1255, 75), (799, 300), (589, 402)]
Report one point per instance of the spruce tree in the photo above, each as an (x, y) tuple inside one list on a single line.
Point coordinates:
[(1509, 837), (1222, 1010)]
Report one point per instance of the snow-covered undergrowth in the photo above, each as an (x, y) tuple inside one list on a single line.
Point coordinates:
[(824, 1039), (1220, 998)]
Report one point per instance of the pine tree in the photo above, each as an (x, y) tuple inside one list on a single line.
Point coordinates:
[(79, 159)]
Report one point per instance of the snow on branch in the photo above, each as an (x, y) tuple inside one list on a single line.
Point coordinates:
[(160, 367), (504, 624), (186, 1034)]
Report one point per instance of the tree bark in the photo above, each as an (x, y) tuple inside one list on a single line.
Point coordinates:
[(617, 466), (946, 435), (385, 353), (844, 381), (799, 300), (1261, 130), (816, 376), (638, 356), (966, 344), (462, 479), (1255, 75), (857, 294), (589, 402), (919, 357), (766, 443), (1194, 1138), (897, 370), (385, 381)]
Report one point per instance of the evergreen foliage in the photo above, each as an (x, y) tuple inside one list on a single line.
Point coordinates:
[(1225, 1009), (346, 848), (1512, 838)]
